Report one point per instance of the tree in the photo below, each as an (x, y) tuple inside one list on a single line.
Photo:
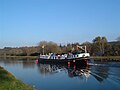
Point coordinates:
[(104, 44), (26, 51), (99, 44), (48, 47)]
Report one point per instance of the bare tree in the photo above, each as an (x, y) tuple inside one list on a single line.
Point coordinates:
[(100, 43), (48, 47)]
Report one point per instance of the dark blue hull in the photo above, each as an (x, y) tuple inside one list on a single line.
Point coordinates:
[(78, 61)]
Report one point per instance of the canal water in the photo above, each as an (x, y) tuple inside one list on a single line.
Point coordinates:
[(100, 75)]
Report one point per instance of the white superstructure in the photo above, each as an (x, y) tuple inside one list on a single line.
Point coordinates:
[(68, 56)]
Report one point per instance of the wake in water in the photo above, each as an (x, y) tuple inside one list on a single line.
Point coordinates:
[(106, 72)]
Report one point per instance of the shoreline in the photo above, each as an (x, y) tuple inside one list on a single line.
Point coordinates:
[(9, 82), (106, 58), (114, 58), (19, 57)]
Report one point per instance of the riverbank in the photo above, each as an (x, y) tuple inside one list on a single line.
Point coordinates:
[(107, 58), (19, 57), (113, 58), (9, 82)]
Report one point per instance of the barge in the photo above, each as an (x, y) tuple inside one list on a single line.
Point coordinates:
[(66, 59)]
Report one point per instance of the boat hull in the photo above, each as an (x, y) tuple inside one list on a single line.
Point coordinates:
[(75, 61)]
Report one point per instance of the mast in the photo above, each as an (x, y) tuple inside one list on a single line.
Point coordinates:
[(43, 49)]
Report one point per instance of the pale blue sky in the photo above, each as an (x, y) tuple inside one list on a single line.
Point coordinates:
[(27, 22)]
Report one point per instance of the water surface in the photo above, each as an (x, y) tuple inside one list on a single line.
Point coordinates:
[(99, 75)]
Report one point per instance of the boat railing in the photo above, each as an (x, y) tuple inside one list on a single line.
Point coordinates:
[(65, 56)]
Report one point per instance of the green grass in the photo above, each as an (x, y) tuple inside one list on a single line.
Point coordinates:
[(9, 82)]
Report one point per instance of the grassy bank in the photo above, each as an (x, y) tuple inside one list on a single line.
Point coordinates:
[(9, 82), (114, 58)]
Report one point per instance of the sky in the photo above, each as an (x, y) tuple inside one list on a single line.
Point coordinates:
[(27, 22)]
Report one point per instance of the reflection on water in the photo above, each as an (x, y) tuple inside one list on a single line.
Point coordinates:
[(73, 71), (98, 76)]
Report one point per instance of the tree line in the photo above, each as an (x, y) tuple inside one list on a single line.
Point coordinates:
[(98, 47)]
